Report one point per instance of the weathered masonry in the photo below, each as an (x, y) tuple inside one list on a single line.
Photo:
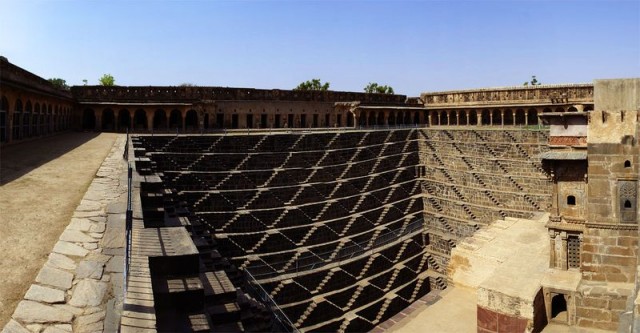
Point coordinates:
[(335, 211)]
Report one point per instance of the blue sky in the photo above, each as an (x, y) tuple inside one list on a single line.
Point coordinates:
[(414, 46)]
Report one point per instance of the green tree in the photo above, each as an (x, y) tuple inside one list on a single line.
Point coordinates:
[(107, 80), (59, 83), (534, 81), (314, 84), (375, 88)]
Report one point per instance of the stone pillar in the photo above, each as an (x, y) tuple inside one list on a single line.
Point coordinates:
[(386, 118), (429, 119), (552, 247), (526, 117), (513, 117), (502, 118), (149, 120), (467, 112), (563, 254), (457, 112), (479, 118), (98, 120), (490, 117)]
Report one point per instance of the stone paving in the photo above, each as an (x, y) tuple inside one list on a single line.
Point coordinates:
[(79, 288)]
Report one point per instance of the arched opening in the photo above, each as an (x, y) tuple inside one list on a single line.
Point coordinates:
[(4, 111), (372, 119), (559, 109), (175, 120), (124, 119), (407, 118), (572, 109), (532, 117), (462, 118), (26, 120), (43, 120), (508, 117), (559, 308), (392, 118), (349, 119), (140, 120), (159, 120), (486, 118), (191, 120), (435, 118), (444, 118), (88, 119), (473, 118), (380, 118), (416, 118), (17, 118), (108, 120), (627, 203), (35, 119), (588, 108), (497, 118), (520, 118), (362, 121), (206, 121), (627, 164), (571, 200)]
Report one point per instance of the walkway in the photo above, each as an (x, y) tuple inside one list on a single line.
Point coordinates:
[(43, 181)]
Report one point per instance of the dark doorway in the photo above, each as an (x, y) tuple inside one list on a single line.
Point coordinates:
[(159, 120), (327, 120), (88, 119), (175, 120), (263, 121), (124, 119), (339, 120), (559, 308), (191, 120), (303, 120), (277, 121), (206, 121), (219, 120), (249, 121), (315, 120), (108, 120), (349, 119), (140, 119), (289, 121), (234, 121)]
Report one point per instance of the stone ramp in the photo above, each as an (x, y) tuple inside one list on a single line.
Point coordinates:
[(499, 268)]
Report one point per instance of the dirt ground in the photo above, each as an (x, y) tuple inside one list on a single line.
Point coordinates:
[(41, 183)]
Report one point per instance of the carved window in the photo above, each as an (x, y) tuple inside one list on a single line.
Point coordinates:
[(627, 164), (627, 195), (571, 200), (573, 252)]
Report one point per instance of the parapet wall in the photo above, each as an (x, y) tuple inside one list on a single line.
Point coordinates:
[(123, 94), (511, 95)]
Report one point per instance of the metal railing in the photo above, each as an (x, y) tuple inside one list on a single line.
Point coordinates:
[(279, 317), (267, 270), (128, 227)]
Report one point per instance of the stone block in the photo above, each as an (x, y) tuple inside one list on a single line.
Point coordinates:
[(90, 269), (592, 302), (44, 294), (61, 261), (14, 327), (593, 314), (70, 249), (54, 277), (88, 292), (34, 312)]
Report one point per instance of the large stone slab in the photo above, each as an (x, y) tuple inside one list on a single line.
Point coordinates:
[(44, 294), (89, 206), (54, 277), (116, 264), (114, 237), (14, 327), (71, 249), (88, 292), (34, 312), (61, 261), (81, 224), (76, 236), (90, 269)]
